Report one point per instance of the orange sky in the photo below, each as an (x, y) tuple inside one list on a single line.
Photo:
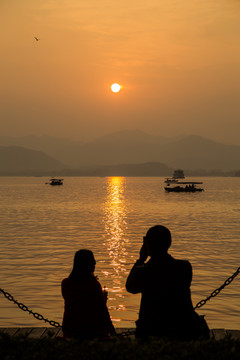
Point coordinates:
[(178, 63)]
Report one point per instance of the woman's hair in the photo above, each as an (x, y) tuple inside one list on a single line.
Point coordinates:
[(83, 264)]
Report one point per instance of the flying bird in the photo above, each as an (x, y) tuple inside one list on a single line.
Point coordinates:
[(36, 38)]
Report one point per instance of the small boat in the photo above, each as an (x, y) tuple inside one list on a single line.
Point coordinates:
[(55, 181), (183, 186)]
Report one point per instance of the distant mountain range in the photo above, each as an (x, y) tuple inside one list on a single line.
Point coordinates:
[(16, 160), (138, 151)]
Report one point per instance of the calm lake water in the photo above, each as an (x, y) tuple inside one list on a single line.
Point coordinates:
[(42, 226)]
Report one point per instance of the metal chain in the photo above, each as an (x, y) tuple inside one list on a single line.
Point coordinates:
[(25, 308), (217, 291), (124, 333)]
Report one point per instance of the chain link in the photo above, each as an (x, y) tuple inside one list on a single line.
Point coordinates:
[(124, 333), (217, 291), (25, 308)]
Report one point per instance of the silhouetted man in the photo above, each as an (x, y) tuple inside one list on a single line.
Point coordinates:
[(166, 306)]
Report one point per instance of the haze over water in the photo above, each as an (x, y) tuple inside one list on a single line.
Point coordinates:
[(42, 226)]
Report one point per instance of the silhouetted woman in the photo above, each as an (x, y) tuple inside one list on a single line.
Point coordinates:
[(85, 315)]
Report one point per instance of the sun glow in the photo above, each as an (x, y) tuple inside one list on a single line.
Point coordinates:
[(115, 88)]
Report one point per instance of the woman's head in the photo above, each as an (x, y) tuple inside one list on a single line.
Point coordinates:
[(83, 264)]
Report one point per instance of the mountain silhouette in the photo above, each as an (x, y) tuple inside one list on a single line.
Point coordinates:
[(15, 160), (130, 136), (134, 147), (143, 169)]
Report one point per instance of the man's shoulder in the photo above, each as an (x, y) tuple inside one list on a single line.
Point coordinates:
[(65, 281), (182, 261)]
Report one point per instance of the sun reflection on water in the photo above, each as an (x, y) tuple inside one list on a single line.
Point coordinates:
[(115, 225)]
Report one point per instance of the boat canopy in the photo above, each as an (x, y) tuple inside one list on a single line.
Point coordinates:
[(189, 182)]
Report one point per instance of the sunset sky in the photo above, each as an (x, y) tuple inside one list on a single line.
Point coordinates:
[(177, 61)]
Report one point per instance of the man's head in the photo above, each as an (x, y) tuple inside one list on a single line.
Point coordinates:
[(158, 239)]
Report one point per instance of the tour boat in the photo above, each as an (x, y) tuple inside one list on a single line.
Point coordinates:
[(183, 186)]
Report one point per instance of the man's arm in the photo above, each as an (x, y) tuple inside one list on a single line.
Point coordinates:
[(134, 283)]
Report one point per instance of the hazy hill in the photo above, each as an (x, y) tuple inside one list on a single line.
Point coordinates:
[(15, 160), (190, 152), (196, 152), (145, 169), (62, 149), (46, 142), (131, 137), (134, 147)]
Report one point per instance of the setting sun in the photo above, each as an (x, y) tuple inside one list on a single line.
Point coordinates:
[(115, 87)]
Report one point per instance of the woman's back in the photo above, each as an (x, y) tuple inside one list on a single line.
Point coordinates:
[(85, 314)]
